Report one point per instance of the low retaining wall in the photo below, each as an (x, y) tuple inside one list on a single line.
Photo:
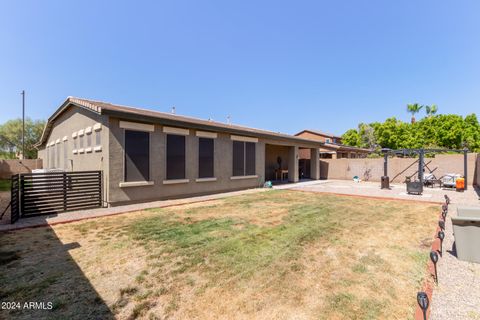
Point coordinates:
[(398, 168), (11, 167)]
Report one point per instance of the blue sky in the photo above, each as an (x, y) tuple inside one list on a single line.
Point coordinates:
[(277, 65)]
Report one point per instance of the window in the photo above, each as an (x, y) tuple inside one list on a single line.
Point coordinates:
[(137, 156), (58, 155), (81, 141), (243, 158), (89, 140), (65, 154), (75, 143), (327, 140), (52, 157), (249, 158), (175, 157), (47, 154), (238, 158), (205, 157), (98, 138)]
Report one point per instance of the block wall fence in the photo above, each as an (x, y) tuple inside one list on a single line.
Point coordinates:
[(398, 168)]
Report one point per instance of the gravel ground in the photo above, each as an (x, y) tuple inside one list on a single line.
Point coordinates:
[(457, 295)]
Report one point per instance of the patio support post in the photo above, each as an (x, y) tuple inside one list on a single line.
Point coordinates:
[(465, 167), (293, 164), (420, 165), (385, 164), (314, 164)]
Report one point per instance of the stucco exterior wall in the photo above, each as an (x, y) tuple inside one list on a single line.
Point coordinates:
[(70, 121), (73, 120), (398, 168), (222, 168)]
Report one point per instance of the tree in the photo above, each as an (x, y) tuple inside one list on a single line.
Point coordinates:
[(413, 109), (447, 131), (431, 110), (11, 136), (351, 138), (367, 136)]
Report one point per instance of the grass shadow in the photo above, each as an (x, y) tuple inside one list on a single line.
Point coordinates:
[(41, 278)]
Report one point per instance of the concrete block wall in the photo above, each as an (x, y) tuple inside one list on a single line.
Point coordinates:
[(15, 166), (398, 168)]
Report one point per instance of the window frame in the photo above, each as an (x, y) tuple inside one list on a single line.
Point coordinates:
[(199, 175), (167, 178), (148, 181), (245, 174)]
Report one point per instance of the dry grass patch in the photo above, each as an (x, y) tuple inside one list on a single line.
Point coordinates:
[(276, 254)]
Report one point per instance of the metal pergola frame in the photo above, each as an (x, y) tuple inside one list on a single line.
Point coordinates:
[(421, 159)]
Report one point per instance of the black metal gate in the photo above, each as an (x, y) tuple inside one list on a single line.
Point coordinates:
[(55, 192), (15, 198)]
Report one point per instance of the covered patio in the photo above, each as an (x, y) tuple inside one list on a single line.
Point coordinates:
[(283, 163)]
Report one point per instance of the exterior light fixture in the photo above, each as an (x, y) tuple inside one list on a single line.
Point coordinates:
[(441, 236), (441, 224), (444, 207), (422, 300), (447, 200), (434, 258)]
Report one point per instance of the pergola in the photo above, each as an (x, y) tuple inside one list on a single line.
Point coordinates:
[(421, 159)]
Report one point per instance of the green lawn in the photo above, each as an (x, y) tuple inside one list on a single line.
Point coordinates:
[(4, 185), (268, 255)]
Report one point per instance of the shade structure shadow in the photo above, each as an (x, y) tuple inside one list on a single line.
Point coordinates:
[(39, 275)]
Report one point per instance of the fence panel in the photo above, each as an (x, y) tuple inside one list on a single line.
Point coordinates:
[(55, 192), (15, 198)]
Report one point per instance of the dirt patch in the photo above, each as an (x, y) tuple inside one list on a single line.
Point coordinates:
[(4, 201)]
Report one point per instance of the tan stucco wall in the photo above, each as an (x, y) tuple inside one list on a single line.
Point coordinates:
[(222, 168), (73, 120), (15, 166), (372, 169)]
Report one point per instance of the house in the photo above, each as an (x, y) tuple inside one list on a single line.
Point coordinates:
[(333, 147), (148, 155)]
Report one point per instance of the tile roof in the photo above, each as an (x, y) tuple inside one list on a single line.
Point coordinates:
[(127, 111)]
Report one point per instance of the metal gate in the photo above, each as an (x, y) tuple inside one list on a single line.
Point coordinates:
[(15, 198), (55, 192)]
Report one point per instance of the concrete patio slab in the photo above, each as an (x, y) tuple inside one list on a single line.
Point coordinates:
[(396, 191)]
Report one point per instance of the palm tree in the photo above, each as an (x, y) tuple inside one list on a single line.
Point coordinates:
[(431, 110), (414, 108)]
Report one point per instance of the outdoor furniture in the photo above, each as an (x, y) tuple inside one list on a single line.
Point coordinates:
[(281, 173), (414, 187), (431, 180), (449, 180), (466, 228)]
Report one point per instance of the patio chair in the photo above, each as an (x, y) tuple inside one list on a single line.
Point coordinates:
[(466, 228), (430, 179)]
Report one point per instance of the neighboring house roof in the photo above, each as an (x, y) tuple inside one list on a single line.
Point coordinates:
[(320, 133), (146, 115), (333, 146)]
